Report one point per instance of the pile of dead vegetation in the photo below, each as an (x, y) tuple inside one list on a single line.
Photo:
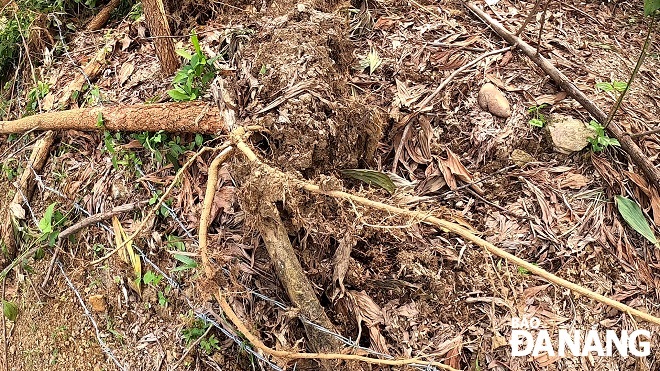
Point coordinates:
[(305, 185)]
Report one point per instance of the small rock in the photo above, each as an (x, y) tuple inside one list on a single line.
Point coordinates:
[(569, 135), (98, 303), (491, 99), (520, 157)]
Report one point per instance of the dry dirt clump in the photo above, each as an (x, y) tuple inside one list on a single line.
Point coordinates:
[(303, 59)]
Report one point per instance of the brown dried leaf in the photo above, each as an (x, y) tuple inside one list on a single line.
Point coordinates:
[(407, 96), (655, 205), (125, 72), (341, 261), (572, 180), (543, 203), (606, 170), (549, 98), (370, 313), (385, 23), (545, 360)]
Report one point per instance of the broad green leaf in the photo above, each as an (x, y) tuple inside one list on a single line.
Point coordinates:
[(188, 263), (371, 177), (10, 310), (195, 41), (185, 259), (177, 95), (619, 86), (46, 223), (633, 215), (605, 86), (536, 122), (184, 53), (651, 6)]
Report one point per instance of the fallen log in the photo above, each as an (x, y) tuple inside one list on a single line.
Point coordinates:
[(171, 117), (24, 192), (636, 155)]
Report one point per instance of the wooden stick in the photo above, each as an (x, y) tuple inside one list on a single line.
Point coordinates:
[(638, 157)]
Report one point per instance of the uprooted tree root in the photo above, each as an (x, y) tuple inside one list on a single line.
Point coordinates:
[(289, 272), (270, 236)]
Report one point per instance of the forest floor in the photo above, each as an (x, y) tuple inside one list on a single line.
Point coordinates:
[(403, 289)]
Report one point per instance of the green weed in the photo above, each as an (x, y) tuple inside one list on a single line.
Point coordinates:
[(601, 139), (538, 119), (193, 79)]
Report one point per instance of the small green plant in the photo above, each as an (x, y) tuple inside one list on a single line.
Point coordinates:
[(119, 157), (618, 86), (163, 210), (9, 171), (175, 243), (48, 223), (151, 278), (196, 331), (601, 140), (136, 12), (166, 149), (187, 263), (35, 95), (162, 299), (538, 119), (93, 97), (193, 79)]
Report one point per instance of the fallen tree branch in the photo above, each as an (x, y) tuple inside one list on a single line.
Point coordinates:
[(170, 117), (448, 226), (25, 187), (86, 75), (156, 17), (638, 157), (103, 15)]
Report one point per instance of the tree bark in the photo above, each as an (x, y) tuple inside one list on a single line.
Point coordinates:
[(171, 117), (154, 13), (102, 17), (636, 155)]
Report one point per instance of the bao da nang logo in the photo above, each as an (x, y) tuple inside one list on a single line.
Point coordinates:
[(528, 338)]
